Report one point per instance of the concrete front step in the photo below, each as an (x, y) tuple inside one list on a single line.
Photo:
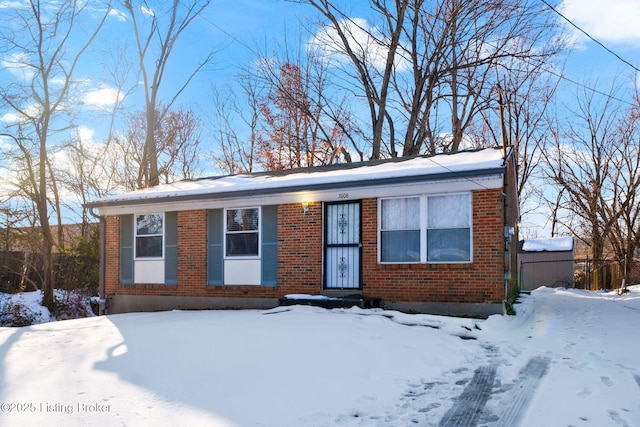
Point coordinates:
[(335, 302)]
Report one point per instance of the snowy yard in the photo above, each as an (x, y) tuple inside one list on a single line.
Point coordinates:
[(567, 358)]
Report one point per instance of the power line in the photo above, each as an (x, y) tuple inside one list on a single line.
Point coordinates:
[(590, 37), (582, 85)]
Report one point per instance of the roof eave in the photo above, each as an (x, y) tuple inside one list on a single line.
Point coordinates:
[(469, 174)]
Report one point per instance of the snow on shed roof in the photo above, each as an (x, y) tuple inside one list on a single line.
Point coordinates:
[(552, 244), (442, 166)]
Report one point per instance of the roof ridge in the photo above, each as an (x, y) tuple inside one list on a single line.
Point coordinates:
[(337, 166)]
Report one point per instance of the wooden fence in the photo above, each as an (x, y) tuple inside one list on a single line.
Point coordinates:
[(602, 274), (22, 271)]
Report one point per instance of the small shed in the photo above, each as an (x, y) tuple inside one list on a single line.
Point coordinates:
[(546, 262)]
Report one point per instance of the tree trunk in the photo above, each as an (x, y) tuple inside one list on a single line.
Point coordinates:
[(45, 228)]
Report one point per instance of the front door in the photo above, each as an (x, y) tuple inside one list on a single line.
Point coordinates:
[(343, 247)]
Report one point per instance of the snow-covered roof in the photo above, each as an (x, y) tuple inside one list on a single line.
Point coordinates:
[(462, 164), (552, 244)]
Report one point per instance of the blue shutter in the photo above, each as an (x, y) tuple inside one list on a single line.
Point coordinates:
[(269, 245), (215, 257), (171, 248), (126, 249)]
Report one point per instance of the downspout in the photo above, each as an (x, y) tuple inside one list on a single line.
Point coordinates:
[(506, 258), (101, 280), (505, 201)]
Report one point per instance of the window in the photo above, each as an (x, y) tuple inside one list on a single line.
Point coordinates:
[(242, 233), (400, 230), (149, 236), (423, 229), (449, 228)]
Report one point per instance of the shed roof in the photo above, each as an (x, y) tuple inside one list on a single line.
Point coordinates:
[(463, 164), (552, 244)]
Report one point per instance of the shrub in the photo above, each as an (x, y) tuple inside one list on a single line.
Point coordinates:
[(71, 305), (16, 311)]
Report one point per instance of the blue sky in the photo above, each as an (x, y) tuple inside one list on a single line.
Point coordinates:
[(261, 24), (239, 30), (614, 24)]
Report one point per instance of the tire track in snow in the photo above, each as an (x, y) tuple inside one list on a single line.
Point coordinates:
[(523, 389), (469, 405)]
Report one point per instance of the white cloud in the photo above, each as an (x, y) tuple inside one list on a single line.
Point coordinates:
[(147, 11), (17, 64), (6, 142), (102, 97), (7, 4), (15, 117), (118, 14), (86, 134), (366, 41), (611, 21)]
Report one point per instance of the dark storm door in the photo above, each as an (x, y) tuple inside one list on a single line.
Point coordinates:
[(343, 247)]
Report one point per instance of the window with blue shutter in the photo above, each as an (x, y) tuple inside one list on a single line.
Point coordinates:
[(126, 249), (269, 245), (171, 248), (215, 253)]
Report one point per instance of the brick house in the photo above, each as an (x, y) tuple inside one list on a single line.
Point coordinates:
[(421, 234)]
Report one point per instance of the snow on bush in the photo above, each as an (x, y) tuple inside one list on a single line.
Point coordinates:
[(24, 309)]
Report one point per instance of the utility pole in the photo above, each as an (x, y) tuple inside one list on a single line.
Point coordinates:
[(502, 125)]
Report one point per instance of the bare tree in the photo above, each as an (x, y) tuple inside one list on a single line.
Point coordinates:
[(487, 37), (528, 92), (236, 152), (176, 138), (373, 56), (581, 165), (296, 129), (622, 202), (87, 174), (178, 142), (155, 42), (291, 117), (37, 38), (420, 62)]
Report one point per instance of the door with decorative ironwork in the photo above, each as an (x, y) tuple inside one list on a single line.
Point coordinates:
[(343, 247)]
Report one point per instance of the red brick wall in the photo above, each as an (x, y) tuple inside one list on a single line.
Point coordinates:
[(300, 249), (192, 264), (192, 251), (112, 254), (300, 260), (478, 282)]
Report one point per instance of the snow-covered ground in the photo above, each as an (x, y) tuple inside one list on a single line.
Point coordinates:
[(568, 358)]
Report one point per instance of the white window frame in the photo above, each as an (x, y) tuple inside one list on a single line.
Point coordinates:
[(257, 231), (136, 236), (420, 227), (423, 229)]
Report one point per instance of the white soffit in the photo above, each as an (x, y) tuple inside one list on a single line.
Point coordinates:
[(342, 194)]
